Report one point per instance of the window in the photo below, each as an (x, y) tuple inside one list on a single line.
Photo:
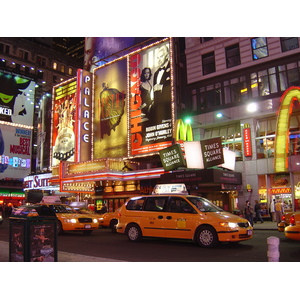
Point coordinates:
[(259, 48), (135, 204), (55, 65), (54, 79), (4, 48), (70, 71), (208, 63), (179, 205), (23, 54), (62, 68), (235, 89), (41, 61), (233, 56), (264, 82), (210, 96), (289, 43), (155, 204)]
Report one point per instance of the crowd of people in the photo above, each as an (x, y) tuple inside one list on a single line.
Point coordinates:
[(5, 210)]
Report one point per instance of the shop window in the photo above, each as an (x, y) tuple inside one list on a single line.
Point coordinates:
[(259, 48), (233, 56), (208, 63), (289, 43)]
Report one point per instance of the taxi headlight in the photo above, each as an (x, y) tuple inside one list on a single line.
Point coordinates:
[(73, 221), (229, 224), (95, 220)]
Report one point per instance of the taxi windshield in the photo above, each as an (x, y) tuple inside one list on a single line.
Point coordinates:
[(62, 209), (203, 204)]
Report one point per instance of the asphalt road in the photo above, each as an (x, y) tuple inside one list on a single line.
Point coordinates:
[(104, 243)]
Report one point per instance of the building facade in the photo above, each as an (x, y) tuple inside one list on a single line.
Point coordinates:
[(235, 89)]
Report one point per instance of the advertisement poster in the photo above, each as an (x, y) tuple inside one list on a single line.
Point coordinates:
[(150, 99), (17, 243), (16, 98), (110, 117), (63, 130), (15, 152), (42, 242)]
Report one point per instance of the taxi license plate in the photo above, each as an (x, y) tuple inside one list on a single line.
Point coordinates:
[(87, 226), (249, 232)]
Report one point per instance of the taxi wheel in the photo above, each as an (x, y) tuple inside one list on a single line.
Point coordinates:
[(206, 236), (59, 228), (134, 233), (113, 224)]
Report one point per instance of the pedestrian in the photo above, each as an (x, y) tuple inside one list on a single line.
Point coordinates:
[(278, 211), (248, 211), (257, 212), (272, 211)]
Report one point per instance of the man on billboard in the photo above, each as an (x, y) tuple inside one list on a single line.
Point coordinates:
[(161, 109)]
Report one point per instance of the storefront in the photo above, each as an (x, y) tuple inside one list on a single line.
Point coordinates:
[(219, 186)]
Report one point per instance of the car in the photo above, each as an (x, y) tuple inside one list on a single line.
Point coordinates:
[(285, 221), (180, 216), (110, 220), (67, 218), (292, 231), (87, 211)]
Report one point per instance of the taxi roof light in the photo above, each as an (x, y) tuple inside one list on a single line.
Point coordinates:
[(170, 188)]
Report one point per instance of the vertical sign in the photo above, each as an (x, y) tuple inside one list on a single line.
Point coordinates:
[(84, 114), (150, 99), (63, 132), (247, 142)]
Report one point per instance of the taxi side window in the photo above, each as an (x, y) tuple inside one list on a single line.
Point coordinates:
[(179, 205), (155, 204), (135, 204)]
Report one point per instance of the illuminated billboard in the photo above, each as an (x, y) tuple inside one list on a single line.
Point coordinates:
[(15, 151), (150, 99), (100, 50), (16, 98), (63, 121), (110, 116)]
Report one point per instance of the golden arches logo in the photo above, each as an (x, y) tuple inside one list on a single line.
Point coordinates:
[(182, 131), (282, 128)]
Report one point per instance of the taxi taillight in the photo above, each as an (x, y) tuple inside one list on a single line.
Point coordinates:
[(292, 220), (283, 218), (119, 214)]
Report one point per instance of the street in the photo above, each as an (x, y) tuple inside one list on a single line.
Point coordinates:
[(104, 243)]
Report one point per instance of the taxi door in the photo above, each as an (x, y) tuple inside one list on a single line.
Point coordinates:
[(153, 221), (181, 219)]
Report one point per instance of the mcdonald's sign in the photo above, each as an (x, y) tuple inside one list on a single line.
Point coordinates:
[(183, 131), (282, 128)]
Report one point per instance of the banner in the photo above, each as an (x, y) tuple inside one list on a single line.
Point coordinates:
[(150, 99), (110, 117)]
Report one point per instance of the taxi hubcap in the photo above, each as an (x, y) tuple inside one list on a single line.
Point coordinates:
[(133, 233), (206, 237)]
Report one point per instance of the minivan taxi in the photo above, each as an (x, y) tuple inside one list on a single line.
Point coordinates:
[(180, 216)]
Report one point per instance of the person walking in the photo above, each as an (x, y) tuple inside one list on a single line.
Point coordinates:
[(278, 211), (248, 211), (272, 211), (257, 212)]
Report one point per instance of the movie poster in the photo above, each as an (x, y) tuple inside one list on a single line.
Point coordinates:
[(110, 117), (63, 130), (150, 99)]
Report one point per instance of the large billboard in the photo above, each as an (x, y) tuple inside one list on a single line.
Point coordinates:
[(150, 99), (15, 151), (110, 116), (16, 98), (63, 122), (100, 50)]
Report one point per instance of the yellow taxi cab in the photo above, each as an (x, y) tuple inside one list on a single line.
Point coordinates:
[(110, 220), (170, 214), (292, 231), (285, 221), (67, 218)]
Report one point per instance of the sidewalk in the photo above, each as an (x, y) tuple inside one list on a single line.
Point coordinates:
[(266, 225), (61, 256)]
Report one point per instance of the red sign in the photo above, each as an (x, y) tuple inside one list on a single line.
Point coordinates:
[(247, 142)]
